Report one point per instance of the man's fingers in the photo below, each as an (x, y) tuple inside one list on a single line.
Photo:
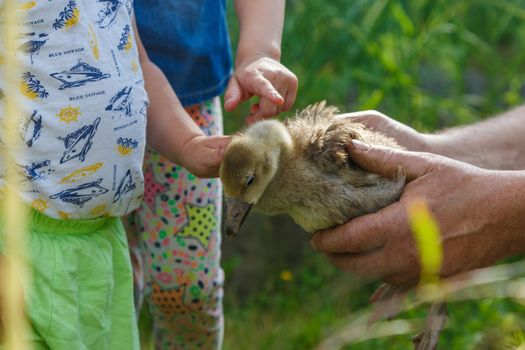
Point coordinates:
[(362, 233), (367, 265), (358, 235), (379, 264), (387, 161), (369, 118), (402, 280)]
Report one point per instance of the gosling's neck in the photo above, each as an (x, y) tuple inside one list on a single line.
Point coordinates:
[(272, 139), (273, 136)]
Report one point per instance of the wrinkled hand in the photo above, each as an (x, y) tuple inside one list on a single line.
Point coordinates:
[(479, 212), (203, 155), (264, 77), (403, 134)]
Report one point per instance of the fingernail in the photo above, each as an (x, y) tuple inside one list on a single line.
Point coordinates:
[(277, 96), (360, 146)]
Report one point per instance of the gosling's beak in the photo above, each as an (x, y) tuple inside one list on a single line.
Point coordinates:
[(236, 211)]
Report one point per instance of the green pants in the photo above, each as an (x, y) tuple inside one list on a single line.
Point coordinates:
[(81, 295)]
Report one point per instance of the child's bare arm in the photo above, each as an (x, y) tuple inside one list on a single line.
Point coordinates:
[(170, 130), (257, 67)]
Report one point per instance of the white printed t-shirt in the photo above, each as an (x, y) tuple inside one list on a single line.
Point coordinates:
[(85, 104)]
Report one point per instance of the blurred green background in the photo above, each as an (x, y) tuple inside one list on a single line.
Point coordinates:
[(428, 63)]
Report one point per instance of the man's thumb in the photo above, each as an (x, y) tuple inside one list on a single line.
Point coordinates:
[(387, 161)]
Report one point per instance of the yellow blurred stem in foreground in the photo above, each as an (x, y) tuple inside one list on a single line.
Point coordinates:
[(428, 241), (12, 270)]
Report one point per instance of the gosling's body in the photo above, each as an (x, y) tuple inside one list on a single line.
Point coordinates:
[(306, 170)]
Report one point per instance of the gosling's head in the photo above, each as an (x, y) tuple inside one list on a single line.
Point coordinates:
[(249, 165)]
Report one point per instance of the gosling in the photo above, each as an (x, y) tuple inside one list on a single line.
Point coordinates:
[(301, 168)]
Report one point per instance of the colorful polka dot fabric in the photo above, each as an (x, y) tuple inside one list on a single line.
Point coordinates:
[(175, 244)]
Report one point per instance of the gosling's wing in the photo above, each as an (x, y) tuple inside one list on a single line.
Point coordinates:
[(358, 191), (331, 136), (328, 145), (309, 131)]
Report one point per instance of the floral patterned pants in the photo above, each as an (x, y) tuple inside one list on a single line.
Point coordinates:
[(175, 248)]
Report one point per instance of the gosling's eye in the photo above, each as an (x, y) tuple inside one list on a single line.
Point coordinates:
[(250, 180)]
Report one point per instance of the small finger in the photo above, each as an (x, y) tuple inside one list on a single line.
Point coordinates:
[(233, 94), (252, 119), (291, 91), (255, 108), (263, 88), (289, 99), (266, 109), (286, 85)]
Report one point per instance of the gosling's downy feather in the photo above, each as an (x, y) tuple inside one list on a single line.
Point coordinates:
[(301, 168)]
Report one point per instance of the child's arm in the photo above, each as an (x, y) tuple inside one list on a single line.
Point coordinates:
[(257, 67), (170, 130)]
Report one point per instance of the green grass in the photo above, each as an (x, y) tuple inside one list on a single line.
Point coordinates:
[(318, 301)]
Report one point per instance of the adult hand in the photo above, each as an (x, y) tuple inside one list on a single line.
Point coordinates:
[(403, 134), (479, 212), (202, 155), (264, 77)]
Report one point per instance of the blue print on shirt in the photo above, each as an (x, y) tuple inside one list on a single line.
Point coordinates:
[(32, 128), (126, 185), (108, 14), (32, 47), (79, 142), (32, 172), (81, 194), (79, 75), (32, 87), (68, 14), (124, 39), (121, 101)]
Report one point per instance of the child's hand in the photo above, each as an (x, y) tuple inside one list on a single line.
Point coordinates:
[(202, 155), (264, 77)]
